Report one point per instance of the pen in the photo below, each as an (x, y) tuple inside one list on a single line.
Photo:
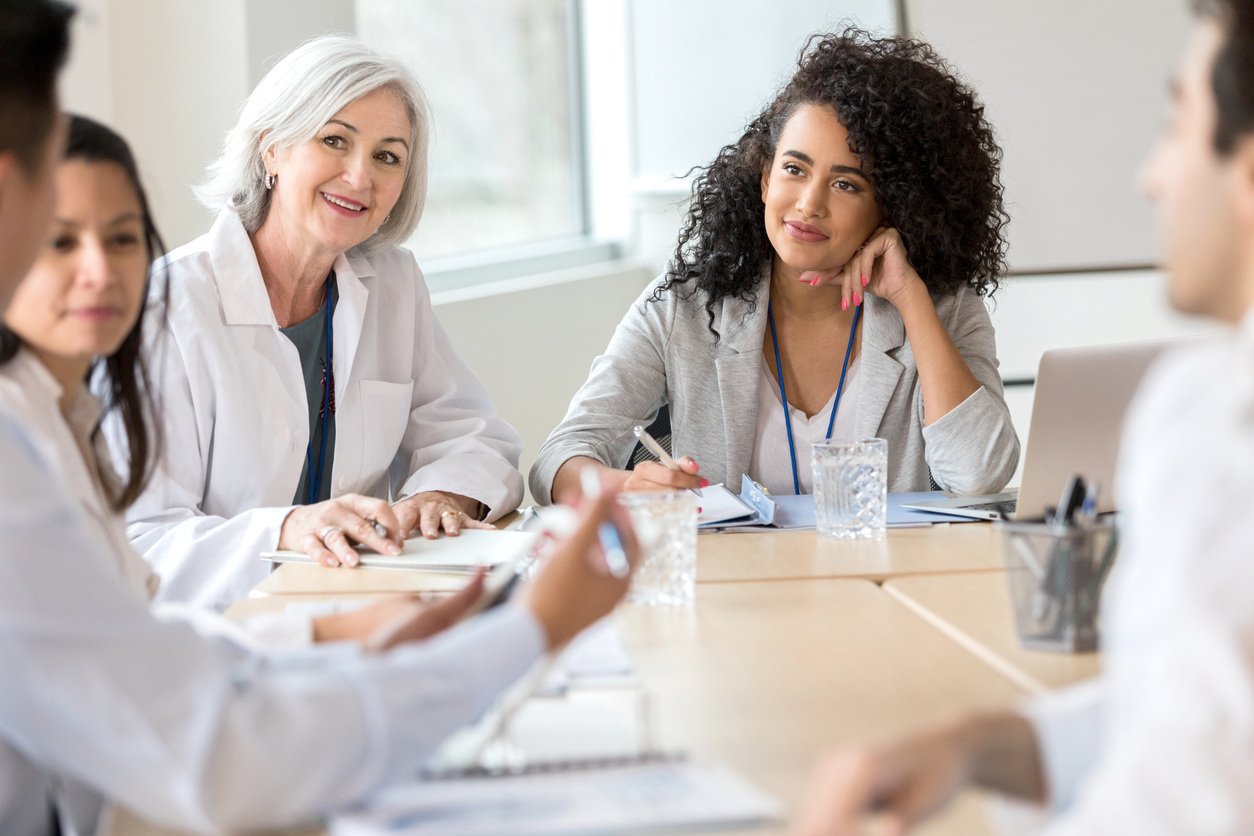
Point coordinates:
[(611, 542), (1088, 508), (379, 528), (650, 444), (520, 524)]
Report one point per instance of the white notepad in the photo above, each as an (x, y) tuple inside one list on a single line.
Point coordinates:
[(463, 553)]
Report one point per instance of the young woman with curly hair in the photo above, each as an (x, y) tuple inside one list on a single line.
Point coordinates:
[(833, 258)]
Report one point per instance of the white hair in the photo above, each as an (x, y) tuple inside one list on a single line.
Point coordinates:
[(294, 101)]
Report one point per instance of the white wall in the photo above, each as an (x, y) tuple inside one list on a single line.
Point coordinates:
[(1077, 91), (531, 341), (170, 76)]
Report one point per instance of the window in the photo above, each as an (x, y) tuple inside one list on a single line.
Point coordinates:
[(501, 78)]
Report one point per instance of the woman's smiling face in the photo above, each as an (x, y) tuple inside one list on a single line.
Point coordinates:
[(819, 204), (336, 189)]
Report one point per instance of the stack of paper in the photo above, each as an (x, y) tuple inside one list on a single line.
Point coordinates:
[(463, 553)]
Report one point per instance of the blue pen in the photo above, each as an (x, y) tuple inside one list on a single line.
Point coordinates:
[(611, 540)]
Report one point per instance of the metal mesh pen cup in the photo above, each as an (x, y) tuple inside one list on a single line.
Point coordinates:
[(1056, 580)]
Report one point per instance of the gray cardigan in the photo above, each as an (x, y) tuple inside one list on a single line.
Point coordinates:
[(662, 352)]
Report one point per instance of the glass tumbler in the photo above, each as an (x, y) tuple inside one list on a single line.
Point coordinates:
[(666, 528), (851, 488)]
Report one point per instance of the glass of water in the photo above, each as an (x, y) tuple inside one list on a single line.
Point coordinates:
[(666, 528), (851, 488)]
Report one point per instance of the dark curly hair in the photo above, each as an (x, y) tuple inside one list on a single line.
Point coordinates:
[(920, 134)]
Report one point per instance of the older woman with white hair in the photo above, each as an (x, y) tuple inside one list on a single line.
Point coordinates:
[(302, 373)]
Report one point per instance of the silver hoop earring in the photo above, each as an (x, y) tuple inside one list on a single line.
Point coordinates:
[(269, 181)]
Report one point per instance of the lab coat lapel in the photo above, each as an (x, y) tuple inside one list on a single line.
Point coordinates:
[(237, 274), (883, 332), (350, 314)]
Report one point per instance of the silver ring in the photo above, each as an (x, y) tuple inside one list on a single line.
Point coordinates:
[(327, 530)]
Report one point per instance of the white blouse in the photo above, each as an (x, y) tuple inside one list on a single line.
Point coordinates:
[(771, 465)]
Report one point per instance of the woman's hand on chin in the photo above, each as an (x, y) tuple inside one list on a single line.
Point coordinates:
[(433, 513), (880, 266)]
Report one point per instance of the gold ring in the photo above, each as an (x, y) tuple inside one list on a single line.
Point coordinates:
[(444, 514), (327, 530)]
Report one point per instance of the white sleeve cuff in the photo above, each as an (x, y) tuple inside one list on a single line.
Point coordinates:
[(1068, 727)]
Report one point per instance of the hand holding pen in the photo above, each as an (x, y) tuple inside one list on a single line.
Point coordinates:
[(666, 474), (573, 587), (608, 532)]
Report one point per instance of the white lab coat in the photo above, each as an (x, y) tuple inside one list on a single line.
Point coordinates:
[(1163, 741), (234, 416)]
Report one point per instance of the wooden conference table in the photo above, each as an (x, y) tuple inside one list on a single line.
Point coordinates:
[(792, 646)]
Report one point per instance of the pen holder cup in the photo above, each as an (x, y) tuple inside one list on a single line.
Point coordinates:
[(1056, 580)]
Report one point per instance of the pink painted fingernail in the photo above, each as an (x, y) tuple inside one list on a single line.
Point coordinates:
[(814, 281), (705, 483), (864, 281), (857, 300), (844, 304)]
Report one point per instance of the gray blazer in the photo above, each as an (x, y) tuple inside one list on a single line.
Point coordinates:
[(662, 352)]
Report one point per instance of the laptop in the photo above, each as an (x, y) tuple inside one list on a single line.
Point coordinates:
[(1078, 410)]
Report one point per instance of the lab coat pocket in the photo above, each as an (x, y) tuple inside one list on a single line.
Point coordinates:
[(385, 414)]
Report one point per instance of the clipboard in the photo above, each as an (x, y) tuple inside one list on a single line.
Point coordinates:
[(752, 507)]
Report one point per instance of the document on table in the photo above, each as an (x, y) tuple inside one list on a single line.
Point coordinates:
[(629, 798), (723, 510), (463, 553)]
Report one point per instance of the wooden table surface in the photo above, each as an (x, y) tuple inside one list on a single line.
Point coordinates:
[(975, 610), (764, 677), (758, 556)]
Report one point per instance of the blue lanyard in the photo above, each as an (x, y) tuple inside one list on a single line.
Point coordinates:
[(783, 395), (314, 485)]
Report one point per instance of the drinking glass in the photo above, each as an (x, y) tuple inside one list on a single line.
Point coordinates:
[(851, 489), (666, 528)]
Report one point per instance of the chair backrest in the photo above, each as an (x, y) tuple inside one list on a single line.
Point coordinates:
[(659, 429)]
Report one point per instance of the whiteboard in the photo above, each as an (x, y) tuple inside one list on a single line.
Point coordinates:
[(1076, 90), (701, 69)]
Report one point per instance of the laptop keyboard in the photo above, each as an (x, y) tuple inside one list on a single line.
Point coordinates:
[(1006, 506)]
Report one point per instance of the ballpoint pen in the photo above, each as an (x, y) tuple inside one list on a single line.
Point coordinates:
[(650, 444), (611, 542), (379, 528)]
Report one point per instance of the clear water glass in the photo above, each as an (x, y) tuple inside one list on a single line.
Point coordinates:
[(666, 528), (851, 488)]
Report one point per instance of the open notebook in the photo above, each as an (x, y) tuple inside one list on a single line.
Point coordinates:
[(569, 749), (626, 798)]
